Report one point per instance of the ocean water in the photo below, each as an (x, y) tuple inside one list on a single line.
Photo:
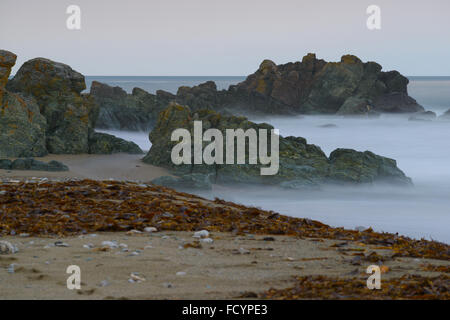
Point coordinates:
[(422, 151)]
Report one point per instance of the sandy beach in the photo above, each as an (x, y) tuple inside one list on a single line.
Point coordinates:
[(231, 267), (118, 166)]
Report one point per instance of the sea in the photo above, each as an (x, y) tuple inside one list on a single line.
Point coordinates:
[(421, 148)]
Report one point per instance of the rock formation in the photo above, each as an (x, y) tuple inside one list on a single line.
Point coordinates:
[(22, 127), (312, 86), (137, 111), (445, 116), (302, 165), (43, 110)]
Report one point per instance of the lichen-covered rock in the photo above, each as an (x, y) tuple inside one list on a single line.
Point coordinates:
[(119, 110), (22, 127), (348, 165), (57, 89), (300, 164), (103, 143)]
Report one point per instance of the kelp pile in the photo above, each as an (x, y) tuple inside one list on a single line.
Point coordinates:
[(77, 207), (322, 287)]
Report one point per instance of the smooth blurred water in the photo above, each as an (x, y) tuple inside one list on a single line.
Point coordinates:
[(422, 150)]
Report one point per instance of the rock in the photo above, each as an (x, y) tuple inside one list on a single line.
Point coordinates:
[(103, 143), (56, 87), (7, 247), (22, 127), (301, 165), (48, 113), (397, 102), (5, 164), (61, 244), (423, 116), (32, 164), (180, 273), (312, 86), (445, 116), (118, 110), (150, 229), (110, 244), (207, 240), (364, 167), (201, 234), (186, 181), (136, 277), (244, 251)]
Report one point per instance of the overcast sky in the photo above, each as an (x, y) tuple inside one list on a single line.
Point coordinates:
[(228, 37)]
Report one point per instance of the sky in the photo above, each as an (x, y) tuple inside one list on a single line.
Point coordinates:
[(228, 37)]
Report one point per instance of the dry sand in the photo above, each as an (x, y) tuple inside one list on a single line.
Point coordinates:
[(221, 270), (96, 167)]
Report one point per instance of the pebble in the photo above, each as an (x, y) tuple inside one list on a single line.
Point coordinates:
[(104, 283), (24, 235), (244, 251), (201, 234), (136, 277), (110, 244), (88, 245), (150, 229), (167, 285), (7, 247), (207, 240), (61, 244), (10, 268), (131, 232), (181, 273)]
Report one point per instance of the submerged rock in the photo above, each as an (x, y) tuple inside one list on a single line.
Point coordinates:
[(186, 181), (445, 116), (301, 165), (423, 116)]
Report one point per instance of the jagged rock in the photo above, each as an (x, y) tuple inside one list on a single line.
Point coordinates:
[(300, 164), (119, 110), (423, 116), (56, 87), (312, 86), (103, 143), (22, 127), (32, 164)]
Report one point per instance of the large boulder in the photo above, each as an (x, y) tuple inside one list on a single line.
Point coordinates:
[(300, 164), (118, 110), (22, 127), (57, 89)]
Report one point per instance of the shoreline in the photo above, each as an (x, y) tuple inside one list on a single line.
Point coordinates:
[(252, 250)]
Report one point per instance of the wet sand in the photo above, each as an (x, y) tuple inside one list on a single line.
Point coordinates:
[(232, 266), (96, 167)]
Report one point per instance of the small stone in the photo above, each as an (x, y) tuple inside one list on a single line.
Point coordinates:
[(244, 251), (7, 247), (181, 273), (167, 285), (136, 277), (88, 246), (123, 245), (61, 244), (131, 232), (148, 247), (201, 234), (207, 240), (110, 244), (24, 235), (150, 229), (104, 283)]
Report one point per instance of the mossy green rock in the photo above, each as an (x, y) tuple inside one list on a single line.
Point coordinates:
[(301, 164), (103, 143)]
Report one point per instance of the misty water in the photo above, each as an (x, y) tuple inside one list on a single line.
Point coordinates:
[(422, 151)]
